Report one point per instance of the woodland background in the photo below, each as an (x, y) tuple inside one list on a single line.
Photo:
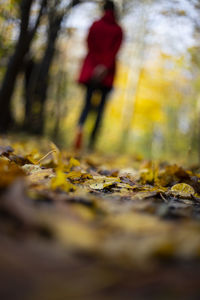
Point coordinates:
[(154, 108)]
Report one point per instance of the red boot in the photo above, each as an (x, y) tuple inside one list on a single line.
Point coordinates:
[(78, 140)]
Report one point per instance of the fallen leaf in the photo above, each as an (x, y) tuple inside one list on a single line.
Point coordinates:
[(182, 190)]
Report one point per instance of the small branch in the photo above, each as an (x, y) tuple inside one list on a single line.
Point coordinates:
[(165, 200), (43, 5), (45, 156)]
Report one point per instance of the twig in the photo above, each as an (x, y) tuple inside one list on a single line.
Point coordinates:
[(165, 200), (45, 156)]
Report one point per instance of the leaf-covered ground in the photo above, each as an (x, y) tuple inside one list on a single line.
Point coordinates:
[(96, 227)]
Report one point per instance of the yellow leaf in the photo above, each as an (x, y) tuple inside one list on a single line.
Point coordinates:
[(9, 172), (72, 163), (100, 182), (32, 157), (40, 177), (183, 190), (75, 234), (74, 175), (60, 181)]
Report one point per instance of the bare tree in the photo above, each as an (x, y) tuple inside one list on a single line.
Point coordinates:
[(25, 38)]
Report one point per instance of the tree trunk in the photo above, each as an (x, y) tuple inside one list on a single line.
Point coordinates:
[(39, 82), (8, 84), (16, 62)]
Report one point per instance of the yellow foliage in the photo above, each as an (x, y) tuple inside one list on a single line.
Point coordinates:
[(60, 182)]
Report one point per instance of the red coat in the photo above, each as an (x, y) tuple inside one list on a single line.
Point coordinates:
[(104, 40)]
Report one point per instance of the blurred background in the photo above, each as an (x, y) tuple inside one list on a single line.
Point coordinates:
[(154, 109)]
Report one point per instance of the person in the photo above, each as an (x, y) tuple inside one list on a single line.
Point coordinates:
[(98, 70)]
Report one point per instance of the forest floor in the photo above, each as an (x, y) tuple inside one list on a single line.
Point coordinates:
[(93, 226)]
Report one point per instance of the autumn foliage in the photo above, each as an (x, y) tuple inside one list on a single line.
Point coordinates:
[(108, 211)]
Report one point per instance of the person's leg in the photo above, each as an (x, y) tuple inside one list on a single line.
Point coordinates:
[(86, 107), (82, 119), (101, 108)]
